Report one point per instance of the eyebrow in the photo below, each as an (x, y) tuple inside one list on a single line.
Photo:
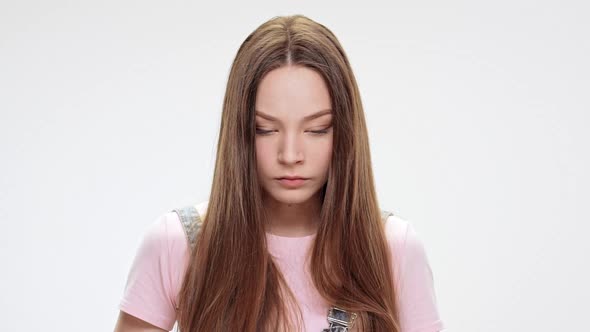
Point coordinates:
[(307, 118)]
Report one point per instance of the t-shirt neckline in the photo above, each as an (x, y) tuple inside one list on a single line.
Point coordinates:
[(292, 238)]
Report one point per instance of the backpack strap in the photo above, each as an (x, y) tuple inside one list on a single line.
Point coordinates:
[(191, 223), (385, 214)]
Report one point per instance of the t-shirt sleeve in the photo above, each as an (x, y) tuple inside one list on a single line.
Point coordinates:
[(148, 291), (414, 280)]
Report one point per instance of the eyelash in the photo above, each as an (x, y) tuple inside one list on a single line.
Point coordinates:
[(315, 132)]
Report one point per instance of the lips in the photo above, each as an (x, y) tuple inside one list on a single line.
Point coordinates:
[(292, 181), (292, 178)]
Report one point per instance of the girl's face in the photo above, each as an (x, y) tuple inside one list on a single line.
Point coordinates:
[(293, 133)]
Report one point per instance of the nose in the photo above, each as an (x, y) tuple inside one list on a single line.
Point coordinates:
[(290, 150)]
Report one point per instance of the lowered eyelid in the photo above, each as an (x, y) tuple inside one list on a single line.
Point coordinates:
[(315, 127)]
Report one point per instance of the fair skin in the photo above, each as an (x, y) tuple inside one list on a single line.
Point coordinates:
[(293, 137)]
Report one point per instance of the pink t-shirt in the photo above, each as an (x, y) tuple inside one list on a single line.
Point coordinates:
[(155, 277)]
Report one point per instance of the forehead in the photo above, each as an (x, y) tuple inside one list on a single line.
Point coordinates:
[(292, 92)]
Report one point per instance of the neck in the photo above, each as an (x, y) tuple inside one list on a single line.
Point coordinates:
[(292, 219)]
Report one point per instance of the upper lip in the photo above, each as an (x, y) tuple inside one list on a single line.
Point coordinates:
[(292, 177)]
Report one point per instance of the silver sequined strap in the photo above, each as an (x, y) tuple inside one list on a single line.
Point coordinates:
[(340, 320), (191, 223), (385, 214)]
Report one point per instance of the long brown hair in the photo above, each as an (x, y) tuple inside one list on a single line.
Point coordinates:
[(231, 282)]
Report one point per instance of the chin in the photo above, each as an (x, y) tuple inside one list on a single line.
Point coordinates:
[(291, 196)]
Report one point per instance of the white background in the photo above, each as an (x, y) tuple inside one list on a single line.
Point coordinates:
[(478, 114)]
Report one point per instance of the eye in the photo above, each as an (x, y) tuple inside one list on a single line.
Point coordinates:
[(260, 131), (322, 131), (263, 132)]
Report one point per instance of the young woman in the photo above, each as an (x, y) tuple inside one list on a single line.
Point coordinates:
[(292, 227)]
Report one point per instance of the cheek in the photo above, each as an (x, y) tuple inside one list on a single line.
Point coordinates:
[(263, 152), (322, 153)]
